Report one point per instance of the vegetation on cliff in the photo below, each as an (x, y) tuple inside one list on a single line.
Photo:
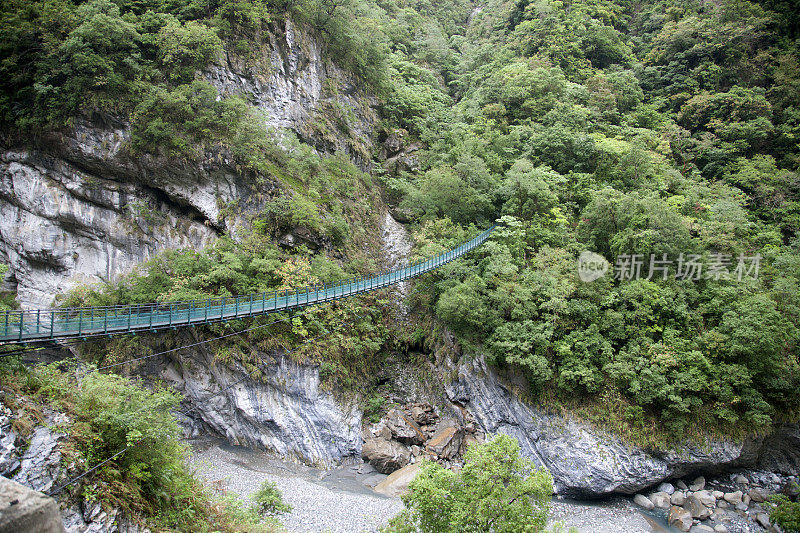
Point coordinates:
[(648, 131), (620, 128)]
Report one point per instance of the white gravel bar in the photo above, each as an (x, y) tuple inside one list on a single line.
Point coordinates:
[(339, 501), (321, 502)]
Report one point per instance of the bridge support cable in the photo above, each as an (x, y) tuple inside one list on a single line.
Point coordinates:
[(248, 375)]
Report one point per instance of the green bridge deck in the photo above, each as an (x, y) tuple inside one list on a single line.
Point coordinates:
[(42, 324)]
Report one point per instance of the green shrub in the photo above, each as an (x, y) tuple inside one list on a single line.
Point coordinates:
[(268, 500), (497, 490), (785, 513)]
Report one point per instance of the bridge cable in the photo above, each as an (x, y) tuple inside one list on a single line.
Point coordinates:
[(60, 488), (205, 341)]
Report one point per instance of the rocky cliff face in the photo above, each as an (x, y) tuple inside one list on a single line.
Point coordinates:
[(589, 463), (76, 207), (284, 410)]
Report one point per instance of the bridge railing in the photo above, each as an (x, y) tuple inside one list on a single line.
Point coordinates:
[(38, 324)]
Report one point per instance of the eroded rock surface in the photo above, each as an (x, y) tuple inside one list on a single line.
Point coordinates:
[(284, 410), (587, 462)]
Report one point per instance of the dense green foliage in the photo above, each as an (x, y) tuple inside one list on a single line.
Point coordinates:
[(497, 490), (61, 58), (619, 128), (106, 414), (785, 513)]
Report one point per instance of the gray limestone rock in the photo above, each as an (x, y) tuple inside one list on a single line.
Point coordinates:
[(660, 500), (584, 461), (678, 498), (385, 455), (696, 506), (666, 487), (733, 497), (284, 410), (40, 467), (643, 501)]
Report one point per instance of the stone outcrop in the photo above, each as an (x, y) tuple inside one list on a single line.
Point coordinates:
[(418, 429), (397, 483), (284, 410), (589, 462), (40, 467), (22, 509)]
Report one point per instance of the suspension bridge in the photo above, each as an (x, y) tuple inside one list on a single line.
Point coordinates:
[(21, 326)]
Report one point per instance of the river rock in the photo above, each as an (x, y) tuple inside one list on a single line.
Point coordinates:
[(720, 528), (681, 485), (397, 483), (697, 508), (698, 484), (678, 498), (757, 495), (680, 518), (660, 500), (707, 498), (763, 519), (741, 507), (701, 528), (385, 455), (643, 501), (666, 487), (718, 494), (740, 479), (733, 497)]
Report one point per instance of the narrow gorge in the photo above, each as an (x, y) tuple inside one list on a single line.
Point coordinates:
[(155, 151)]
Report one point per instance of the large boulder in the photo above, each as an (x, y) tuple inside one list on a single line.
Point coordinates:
[(397, 483), (445, 443), (22, 509), (385, 455), (403, 428)]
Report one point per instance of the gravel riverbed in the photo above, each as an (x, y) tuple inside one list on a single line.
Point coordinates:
[(341, 500)]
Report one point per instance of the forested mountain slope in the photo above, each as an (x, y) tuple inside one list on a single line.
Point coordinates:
[(619, 128), (232, 146)]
